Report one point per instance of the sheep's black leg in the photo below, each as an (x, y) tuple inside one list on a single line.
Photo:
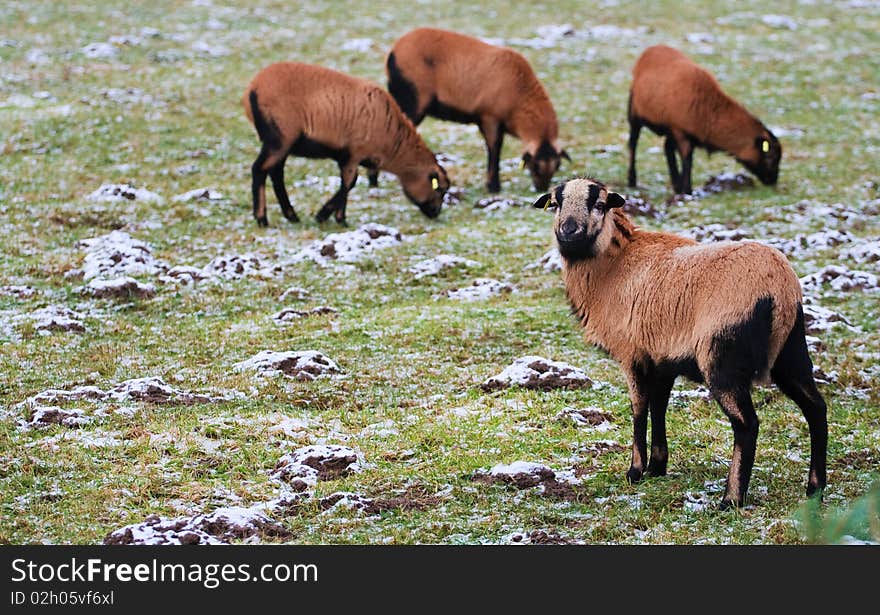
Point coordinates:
[(737, 405), (669, 148), (258, 187), (373, 176), (493, 133), (686, 149), (336, 204), (277, 175), (638, 395), (793, 374), (635, 127), (659, 400)]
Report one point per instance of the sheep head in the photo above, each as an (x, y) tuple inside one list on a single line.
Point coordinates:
[(426, 187), (543, 163), (581, 225)]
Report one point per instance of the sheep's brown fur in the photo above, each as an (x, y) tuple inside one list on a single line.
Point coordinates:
[(316, 112), (682, 101), (727, 314), (460, 78)]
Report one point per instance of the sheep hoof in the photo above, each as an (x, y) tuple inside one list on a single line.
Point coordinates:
[(342, 222), (727, 504), (263, 221), (292, 217), (321, 218), (656, 469), (633, 475), (493, 187)]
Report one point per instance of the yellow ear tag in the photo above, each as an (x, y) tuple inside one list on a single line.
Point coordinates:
[(434, 183), (522, 165), (765, 146), (547, 204)]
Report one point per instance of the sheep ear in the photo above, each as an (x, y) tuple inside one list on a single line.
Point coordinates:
[(544, 202), (614, 200), (564, 154)]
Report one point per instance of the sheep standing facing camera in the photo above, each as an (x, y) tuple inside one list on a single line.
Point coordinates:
[(682, 101), (316, 112), (726, 314)]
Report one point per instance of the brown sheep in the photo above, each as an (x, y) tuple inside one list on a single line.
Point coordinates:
[(459, 78), (677, 99), (316, 112), (727, 314)]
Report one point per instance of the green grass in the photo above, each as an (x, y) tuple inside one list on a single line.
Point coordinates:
[(410, 360)]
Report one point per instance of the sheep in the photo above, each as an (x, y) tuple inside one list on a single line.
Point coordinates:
[(316, 112), (680, 100), (459, 78), (725, 314)]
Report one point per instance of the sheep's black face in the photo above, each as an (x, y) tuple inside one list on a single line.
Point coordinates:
[(543, 165), (768, 154), (581, 206)]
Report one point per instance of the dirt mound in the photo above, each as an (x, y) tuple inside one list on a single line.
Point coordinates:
[(117, 193), (117, 254), (724, 182), (288, 315), (219, 527), (840, 279), (305, 466), (534, 372), (587, 417), (526, 475), (118, 288), (540, 537), (706, 233), (304, 365), (54, 318), (350, 246)]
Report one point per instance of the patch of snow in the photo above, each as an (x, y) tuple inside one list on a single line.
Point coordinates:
[(237, 266), (818, 319), (707, 233), (441, 262), (302, 365), (86, 439), (350, 246), (780, 22), (305, 466), (550, 262), (480, 289), (100, 51), (218, 527), (534, 372), (17, 291), (840, 279), (594, 418), (360, 45), (119, 193), (123, 287), (184, 274), (116, 254), (500, 203), (290, 315), (294, 292), (54, 318), (696, 501), (199, 194), (865, 252)]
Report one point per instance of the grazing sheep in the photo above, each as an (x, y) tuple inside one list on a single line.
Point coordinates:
[(727, 314), (455, 77), (677, 99), (316, 112)]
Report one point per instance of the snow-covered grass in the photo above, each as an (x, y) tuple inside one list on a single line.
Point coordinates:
[(126, 165)]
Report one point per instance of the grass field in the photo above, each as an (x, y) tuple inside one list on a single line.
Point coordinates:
[(147, 94)]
